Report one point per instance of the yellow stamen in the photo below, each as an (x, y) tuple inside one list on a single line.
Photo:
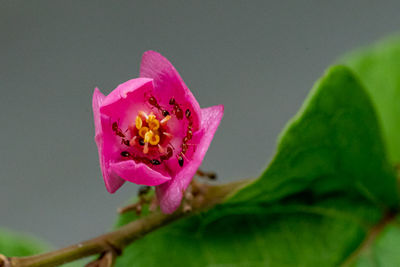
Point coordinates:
[(155, 139), (152, 138), (167, 118), (143, 131), (148, 136), (150, 118), (153, 123), (138, 122)]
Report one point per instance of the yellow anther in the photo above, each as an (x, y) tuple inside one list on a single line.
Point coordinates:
[(138, 122), (152, 138), (150, 118), (143, 131), (155, 139), (154, 124), (148, 136)]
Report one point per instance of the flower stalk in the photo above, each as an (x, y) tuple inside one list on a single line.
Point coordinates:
[(113, 243)]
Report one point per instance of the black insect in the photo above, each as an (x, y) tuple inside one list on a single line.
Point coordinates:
[(125, 154), (187, 113), (117, 130), (177, 109), (153, 101), (155, 162), (180, 161)]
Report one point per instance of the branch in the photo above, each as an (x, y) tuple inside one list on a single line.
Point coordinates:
[(114, 242)]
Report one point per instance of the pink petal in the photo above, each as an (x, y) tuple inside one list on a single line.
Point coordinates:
[(138, 173), (117, 103), (168, 83), (111, 180), (170, 193)]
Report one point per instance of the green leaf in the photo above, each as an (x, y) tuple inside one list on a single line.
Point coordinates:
[(15, 245), (379, 69), (333, 144), (295, 234), (382, 249), (324, 190)]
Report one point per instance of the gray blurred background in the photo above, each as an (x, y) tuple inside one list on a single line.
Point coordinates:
[(258, 58)]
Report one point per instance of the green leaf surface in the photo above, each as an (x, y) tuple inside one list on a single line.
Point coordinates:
[(379, 69), (383, 250), (333, 144), (13, 244), (327, 186), (295, 234)]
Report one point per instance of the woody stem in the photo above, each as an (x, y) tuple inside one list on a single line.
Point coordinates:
[(117, 240)]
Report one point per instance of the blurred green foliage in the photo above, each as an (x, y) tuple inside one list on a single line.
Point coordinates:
[(15, 244)]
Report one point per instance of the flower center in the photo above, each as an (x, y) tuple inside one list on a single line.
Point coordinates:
[(149, 130), (148, 139)]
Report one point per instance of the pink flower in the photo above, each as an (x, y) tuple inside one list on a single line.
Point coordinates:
[(151, 131)]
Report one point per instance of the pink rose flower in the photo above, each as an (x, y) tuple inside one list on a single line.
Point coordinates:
[(151, 131)]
